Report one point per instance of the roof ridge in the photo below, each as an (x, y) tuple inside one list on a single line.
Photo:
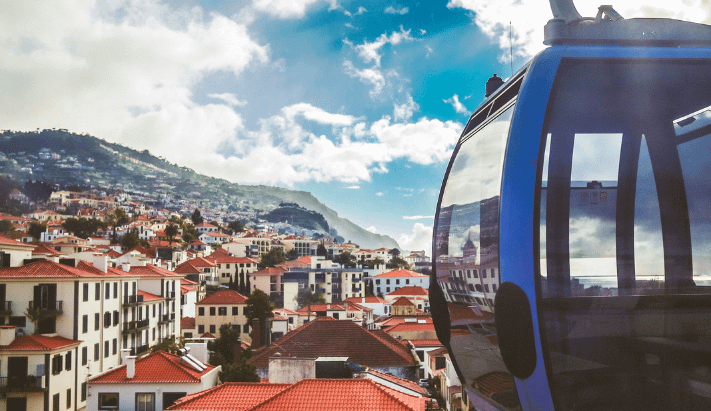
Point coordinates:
[(381, 388)]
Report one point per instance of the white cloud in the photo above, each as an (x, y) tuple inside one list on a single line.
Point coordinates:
[(527, 18), (429, 51), (458, 107), (405, 110), (417, 217), (352, 188), (288, 9), (372, 229), (393, 10), (228, 98), (379, 194), (318, 115), (415, 141), (361, 10), (420, 238), (423, 32), (125, 74), (368, 52), (372, 76)]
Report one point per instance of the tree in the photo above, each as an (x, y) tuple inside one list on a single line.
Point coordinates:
[(346, 259), (273, 257), (241, 287), (240, 371), (236, 226), (38, 191), (6, 226), (36, 315), (321, 250), (169, 345), (83, 227), (196, 217), (258, 306), (230, 284), (36, 229), (292, 255), (395, 252), (224, 345), (397, 263), (130, 239), (306, 297), (171, 231), (247, 286), (369, 289)]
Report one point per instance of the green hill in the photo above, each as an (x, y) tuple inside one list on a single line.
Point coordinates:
[(62, 157)]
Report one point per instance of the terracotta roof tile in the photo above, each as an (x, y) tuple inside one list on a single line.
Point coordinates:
[(408, 327), (148, 296), (269, 271), (410, 290), (401, 273), (42, 249), (411, 385), (224, 297), (426, 343), (187, 323), (367, 300), (340, 395), (230, 396), (38, 343), (326, 337), (402, 302), (45, 269), (157, 367), (494, 382)]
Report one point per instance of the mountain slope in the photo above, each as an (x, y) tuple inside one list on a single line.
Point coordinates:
[(61, 157)]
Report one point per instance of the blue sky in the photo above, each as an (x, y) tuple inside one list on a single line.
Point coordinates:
[(358, 102)]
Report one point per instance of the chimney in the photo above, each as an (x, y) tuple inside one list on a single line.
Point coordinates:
[(101, 261), (7, 334), (126, 267), (328, 306), (255, 334), (125, 352), (362, 300), (345, 307), (130, 366)]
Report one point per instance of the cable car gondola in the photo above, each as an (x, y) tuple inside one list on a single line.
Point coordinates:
[(572, 240)]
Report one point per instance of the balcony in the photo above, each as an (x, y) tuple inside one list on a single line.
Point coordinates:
[(355, 289), (47, 307), (213, 281), (29, 383), (132, 300), (166, 318), (320, 278), (170, 295), (139, 350), (355, 280), (320, 290), (131, 327), (5, 307)]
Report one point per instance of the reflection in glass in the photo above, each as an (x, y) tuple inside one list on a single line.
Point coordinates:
[(625, 236), (467, 260)]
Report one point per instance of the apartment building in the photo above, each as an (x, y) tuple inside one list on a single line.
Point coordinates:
[(390, 281), (222, 307)]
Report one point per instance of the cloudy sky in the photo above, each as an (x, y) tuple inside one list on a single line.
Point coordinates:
[(358, 102)]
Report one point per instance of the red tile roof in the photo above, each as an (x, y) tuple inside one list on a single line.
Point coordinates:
[(410, 385), (42, 249), (224, 297), (494, 382), (340, 395), (45, 269), (326, 337), (230, 396), (410, 290), (426, 343), (269, 271), (402, 302), (404, 319), (187, 323), (5, 240), (409, 327), (401, 273), (150, 270), (157, 367), (367, 300), (38, 343), (148, 296)]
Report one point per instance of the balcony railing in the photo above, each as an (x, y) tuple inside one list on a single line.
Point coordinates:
[(48, 307), (355, 289), (170, 295), (141, 324), (132, 300), (166, 318), (355, 280), (139, 350), (320, 278), (6, 308), (29, 383)]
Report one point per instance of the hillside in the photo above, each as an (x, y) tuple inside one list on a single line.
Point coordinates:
[(61, 157)]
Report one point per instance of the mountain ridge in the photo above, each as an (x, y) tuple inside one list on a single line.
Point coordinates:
[(62, 157)]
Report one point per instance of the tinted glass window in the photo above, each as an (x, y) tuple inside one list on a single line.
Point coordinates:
[(467, 241), (624, 245)]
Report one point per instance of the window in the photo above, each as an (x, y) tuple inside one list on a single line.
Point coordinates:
[(106, 349), (493, 273), (483, 273), (107, 319), (235, 310), (85, 296), (56, 364), (397, 282), (387, 281), (116, 317), (97, 347), (201, 310), (493, 286), (114, 344), (169, 398), (107, 291), (55, 402), (116, 289), (83, 392), (69, 398), (97, 321), (85, 323), (154, 311), (228, 266), (201, 329), (97, 291), (154, 333), (245, 328), (212, 329), (222, 311), (486, 287), (84, 355), (387, 290), (188, 335), (212, 311), (108, 400), (145, 402), (407, 281), (68, 361)]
